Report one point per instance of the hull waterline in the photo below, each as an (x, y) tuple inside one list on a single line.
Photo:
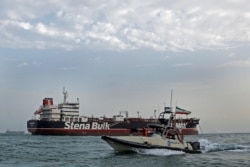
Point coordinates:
[(78, 132)]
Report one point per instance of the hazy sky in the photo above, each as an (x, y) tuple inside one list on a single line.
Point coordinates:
[(127, 55)]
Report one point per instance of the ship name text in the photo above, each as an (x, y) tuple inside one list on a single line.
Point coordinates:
[(93, 125)]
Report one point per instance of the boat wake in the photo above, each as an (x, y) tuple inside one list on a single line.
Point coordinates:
[(158, 152), (208, 146)]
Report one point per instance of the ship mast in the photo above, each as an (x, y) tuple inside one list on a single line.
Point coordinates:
[(65, 95)]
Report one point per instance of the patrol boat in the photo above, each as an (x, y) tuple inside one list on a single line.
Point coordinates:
[(164, 137)]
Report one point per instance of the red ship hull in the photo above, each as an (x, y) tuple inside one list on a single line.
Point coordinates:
[(190, 131), (37, 127)]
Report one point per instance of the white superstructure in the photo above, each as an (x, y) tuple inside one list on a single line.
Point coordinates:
[(65, 111)]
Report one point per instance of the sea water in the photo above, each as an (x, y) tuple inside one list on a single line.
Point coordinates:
[(87, 151)]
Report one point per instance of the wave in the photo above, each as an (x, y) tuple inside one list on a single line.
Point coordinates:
[(208, 146), (158, 152)]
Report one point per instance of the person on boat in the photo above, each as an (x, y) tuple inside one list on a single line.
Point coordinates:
[(171, 134), (145, 132)]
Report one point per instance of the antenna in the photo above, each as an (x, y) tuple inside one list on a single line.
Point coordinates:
[(171, 109), (171, 100)]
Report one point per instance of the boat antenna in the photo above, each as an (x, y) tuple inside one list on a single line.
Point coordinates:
[(171, 100), (171, 109), (168, 126), (158, 109), (200, 129)]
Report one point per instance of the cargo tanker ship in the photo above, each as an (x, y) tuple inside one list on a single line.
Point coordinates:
[(64, 119)]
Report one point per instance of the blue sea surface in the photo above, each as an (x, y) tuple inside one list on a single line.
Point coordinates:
[(87, 151)]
